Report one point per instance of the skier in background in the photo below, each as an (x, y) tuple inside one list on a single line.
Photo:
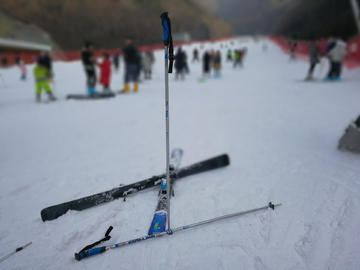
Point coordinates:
[(336, 56), (229, 56), (89, 67), (132, 65), (186, 66), (293, 46), (217, 64), (149, 61), (22, 67), (41, 74), (116, 61), (314, 60), (206, 64), (105, 72), (238, 54), (195, 55), (179, 64)]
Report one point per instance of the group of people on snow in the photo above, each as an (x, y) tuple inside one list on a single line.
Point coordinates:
[(335, 51), (135, 63)]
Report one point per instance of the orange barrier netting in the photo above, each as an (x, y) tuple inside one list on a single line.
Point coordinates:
[(352, 60)]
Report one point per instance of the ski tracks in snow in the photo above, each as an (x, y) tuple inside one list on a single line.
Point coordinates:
[(326, 227)]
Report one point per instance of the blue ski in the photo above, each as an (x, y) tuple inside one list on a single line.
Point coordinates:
[(158, 223)]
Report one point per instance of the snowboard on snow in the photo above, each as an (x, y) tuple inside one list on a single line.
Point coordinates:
[(91, 97)]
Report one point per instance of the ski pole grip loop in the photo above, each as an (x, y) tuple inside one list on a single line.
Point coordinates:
[(81, 255)]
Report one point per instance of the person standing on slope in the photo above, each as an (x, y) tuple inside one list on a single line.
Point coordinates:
[(229, 56), (41, 74), (149, 61), (132, 65), (179, 64), (22, 67), (105, 72), (89, 67), (217, 64), (206, 64), (195, 55), (314, 60), (336, 56), (116, 61)]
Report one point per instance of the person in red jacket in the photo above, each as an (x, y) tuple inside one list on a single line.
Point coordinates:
[(105, 72)]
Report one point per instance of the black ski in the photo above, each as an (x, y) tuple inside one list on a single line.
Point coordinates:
[(53, 212)]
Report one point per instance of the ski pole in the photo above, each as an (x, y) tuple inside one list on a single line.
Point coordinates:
[(91, 252), (16, 250), (169, 55)]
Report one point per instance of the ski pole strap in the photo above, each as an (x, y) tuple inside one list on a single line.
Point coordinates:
[(84, 252), (167, 38)]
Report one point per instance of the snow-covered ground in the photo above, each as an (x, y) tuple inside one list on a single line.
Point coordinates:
[(281, 135)]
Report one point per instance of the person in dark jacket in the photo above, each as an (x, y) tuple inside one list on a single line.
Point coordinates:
[(89, 66), (132, 65), (314, 60), (206, 64), (179, 64), (195, 55)]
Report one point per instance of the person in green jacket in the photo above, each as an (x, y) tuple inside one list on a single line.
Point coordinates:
[(42, 74)]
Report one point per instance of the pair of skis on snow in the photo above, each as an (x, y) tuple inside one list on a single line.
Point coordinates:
[(162, 213)]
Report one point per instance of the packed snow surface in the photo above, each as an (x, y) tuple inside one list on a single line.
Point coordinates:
[(281, 135)]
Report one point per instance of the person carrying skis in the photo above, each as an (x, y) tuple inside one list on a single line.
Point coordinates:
[(206, 64), (41, 74), (132, 65), (89, 67), (105, 72), (314, 60)]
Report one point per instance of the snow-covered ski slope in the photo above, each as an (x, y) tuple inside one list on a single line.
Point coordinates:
[(281, 135)]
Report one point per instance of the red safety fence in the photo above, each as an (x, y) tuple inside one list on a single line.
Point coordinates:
[(352, 60)]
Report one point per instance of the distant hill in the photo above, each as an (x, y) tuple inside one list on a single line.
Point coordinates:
[(107, 22), (11, 28), (250, 16), (311, 19)]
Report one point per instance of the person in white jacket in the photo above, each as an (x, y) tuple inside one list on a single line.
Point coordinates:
[(336, 56)]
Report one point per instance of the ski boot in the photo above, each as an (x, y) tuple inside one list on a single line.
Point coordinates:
[(91, 91), (126, 88), (136, 87), (38, 98), (51, 96)]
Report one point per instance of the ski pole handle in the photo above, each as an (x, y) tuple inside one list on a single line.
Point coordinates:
[(165, 21), (81, 255)]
